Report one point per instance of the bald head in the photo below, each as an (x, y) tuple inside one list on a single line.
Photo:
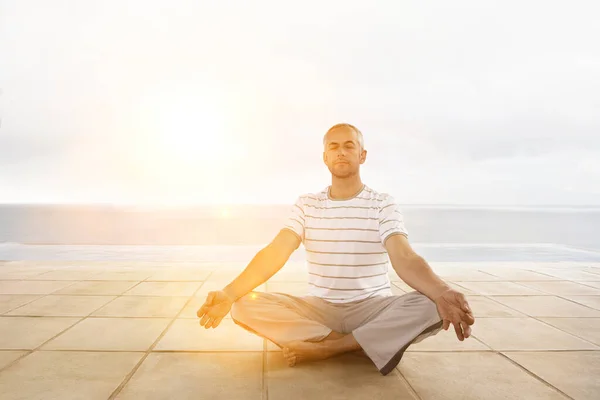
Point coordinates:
[(348, 127)]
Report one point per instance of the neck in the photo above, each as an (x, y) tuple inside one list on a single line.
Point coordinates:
[(344, 188)]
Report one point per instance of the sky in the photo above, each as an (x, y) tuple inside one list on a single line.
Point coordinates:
[(198, 102)]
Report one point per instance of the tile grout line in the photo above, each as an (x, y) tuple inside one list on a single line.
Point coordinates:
[(150, 349), (53, 337), (36, 299), (116, 296), (265, 370), (537, 377), (403, 379), (537, 319), (31, 351), (72, 284), (66, 316)]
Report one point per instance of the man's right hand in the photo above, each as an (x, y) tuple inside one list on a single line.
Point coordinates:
[(215, 308)]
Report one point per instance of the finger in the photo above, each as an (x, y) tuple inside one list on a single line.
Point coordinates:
[(465, 305), (209, 323), (446, 324), (202, 310), (466, 329), (217, 322), (458, 330), (468, 318), (204, 320)]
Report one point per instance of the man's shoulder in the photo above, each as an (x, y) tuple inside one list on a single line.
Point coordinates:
[(313, 196), (374, 195)]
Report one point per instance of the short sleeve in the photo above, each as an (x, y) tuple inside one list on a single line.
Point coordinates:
[(295, 219), (391, 219)]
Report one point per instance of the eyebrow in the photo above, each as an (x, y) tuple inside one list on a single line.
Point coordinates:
[(347, 141)]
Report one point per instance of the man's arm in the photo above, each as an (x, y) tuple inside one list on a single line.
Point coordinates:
[(264, 265), (412, 268)]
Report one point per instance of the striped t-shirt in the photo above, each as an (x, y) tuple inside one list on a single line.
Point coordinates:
[(344, 243)]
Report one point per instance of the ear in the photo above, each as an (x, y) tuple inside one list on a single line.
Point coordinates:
[(363, 156), (325, 157)]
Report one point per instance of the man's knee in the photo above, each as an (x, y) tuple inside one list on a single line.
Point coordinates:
[(243, 307), (426, 306)]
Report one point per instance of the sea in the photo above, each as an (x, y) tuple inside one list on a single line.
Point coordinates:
[(233, 233)]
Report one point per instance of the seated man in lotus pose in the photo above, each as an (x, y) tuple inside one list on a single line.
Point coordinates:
[(350, 233)]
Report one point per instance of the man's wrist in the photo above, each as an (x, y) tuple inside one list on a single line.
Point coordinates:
[(440, 291), (230, 294)]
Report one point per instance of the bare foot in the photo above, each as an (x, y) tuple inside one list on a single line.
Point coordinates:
[(298, 351)]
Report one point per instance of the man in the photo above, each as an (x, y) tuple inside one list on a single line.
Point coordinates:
[(350, 233)]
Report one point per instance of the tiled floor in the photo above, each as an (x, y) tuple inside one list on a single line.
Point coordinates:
[(129, 331)]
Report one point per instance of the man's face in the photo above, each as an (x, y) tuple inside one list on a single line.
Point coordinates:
[(342, 153)]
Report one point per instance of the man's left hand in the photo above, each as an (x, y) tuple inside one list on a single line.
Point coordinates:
[(454, 309)]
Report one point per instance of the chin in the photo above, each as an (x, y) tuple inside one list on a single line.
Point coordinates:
[(344, 175)]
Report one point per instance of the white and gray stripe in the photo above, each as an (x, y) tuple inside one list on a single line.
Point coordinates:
[(344, 241)]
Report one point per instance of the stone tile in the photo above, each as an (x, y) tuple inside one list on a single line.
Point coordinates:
[(8, 356), (32, 287), (142, 306), (562, 288), (463, 290), (209, 286), (575, 373), (206, 375), (102, 288), (129, 334), (344, 377), (485, 307), (468, 276), (62, 306), (511, 274), (66, 275), (215, 286), (572, 274), (590, 284), (403, 286), (292, 288), (181, 275), (506, 334), (471, 376), (164, 289), (134, 275), (546, 306), (12, 301), (272, 346), (29, 332), (224, 277), (590, 301), (498, 288), (394, 276), (447, 341), (397, 290), (585, 328), (18, 274), (188, 335), (66, 375)]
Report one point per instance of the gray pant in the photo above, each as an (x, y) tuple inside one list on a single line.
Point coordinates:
[(383, 326)]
